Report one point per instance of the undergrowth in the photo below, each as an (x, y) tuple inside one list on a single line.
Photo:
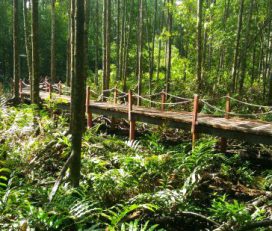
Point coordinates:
[(141, 185)]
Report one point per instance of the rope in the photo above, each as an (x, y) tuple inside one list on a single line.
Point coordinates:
[(122, 96), (233, 113), (178, 97), (108, 90), (160, 103), (250, 104)]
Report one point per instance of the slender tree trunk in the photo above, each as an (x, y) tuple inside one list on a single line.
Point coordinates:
[(118, 59), (53, 41), (169, 46), (16, 60), (86, 30), (236, 52), (140, 44), (72, 37), (151, 70), (68, 49), (78, 93), (27, 42), (126, 52), (35, 52), (96, 42), (106, 48), (199, 44), (245, 48)]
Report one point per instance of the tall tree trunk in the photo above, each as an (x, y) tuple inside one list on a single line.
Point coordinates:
[(106, 46), (169, 46), (118, 59), (236, 52), (245, 48), (140, 44), (68, 48), (86, 30), (199, 44), (78, 93), (72, 38), (27, 42), (151, 70), (35, 52), (126, 51), (16, 50), (53, 41), (96, 42)]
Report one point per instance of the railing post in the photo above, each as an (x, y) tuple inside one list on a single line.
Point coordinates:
[(60, 88), (20, 88), (163, 100), (224, 142), (194, 120), (88, 112), (132, 123)]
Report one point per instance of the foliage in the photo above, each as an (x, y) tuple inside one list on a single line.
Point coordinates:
[(124, 185)]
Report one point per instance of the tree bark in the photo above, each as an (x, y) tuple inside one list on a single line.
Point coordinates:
[(35, 52), (199, 44), (27, 42), (169, 46), (106, 46), (16, 50), (53, 41), (78, 95), (237, 46), (140, 43), (68, 49)]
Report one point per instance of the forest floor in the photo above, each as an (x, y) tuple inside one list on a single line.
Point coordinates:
[(154, 183)]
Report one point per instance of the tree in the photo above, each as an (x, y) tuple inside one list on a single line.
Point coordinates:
[(106, 45), (169, 45), (237, 46), (140, 50), (199, 43), (53, 41), (16, 49), (78, 95), (35, 52), (27, 41)]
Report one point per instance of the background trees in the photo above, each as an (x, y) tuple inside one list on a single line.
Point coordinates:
[(223, 45)]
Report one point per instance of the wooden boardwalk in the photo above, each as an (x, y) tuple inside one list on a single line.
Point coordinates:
[(253, 131)]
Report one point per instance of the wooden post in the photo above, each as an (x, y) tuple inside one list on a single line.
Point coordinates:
[(20, 88), (224, 142), (88, 112), (132, 123), (60, 88), (163, 100), (194, 120)]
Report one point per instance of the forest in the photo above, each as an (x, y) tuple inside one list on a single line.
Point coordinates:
[(136, 115)]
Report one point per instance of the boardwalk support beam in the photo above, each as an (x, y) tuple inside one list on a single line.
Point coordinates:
[(132, 123), (88, 112), (194, 120)]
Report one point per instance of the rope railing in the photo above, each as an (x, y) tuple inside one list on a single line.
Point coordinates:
[(148, 98), (161, 103), (234, 113)]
